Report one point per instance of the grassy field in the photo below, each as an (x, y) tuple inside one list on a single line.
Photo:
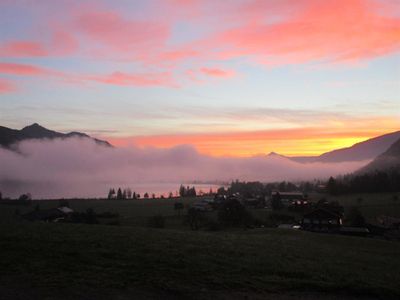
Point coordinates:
[(70, 261), (132, 261)]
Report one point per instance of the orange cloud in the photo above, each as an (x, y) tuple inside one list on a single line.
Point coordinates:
[(291, 142)]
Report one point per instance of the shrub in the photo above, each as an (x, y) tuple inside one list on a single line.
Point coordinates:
[(233, 213), (355, 218)]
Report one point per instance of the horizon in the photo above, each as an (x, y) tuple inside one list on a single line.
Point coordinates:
[(253, 155), (233, 79)]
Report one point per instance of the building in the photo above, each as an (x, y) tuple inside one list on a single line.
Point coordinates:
[(49, 215), (322, 219)]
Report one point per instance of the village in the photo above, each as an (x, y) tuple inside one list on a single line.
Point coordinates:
[(221, 211)]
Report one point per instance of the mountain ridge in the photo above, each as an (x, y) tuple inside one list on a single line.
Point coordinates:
[(10, 137), (388, 160), (366, 150)]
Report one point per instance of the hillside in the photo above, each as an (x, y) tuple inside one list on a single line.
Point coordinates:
[(9, 137), (66, 261), (368, 149), (389, 160)]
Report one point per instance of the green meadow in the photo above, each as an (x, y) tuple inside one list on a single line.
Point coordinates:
[(132, 261)]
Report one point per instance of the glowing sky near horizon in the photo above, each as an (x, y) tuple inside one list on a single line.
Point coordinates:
[(236, 78)]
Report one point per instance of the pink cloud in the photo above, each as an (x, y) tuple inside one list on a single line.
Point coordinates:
[(112, 31), (215, 72), (22, 69), (139, 79), (332, 30), (116, 78), (22, 49), (268, 32), (6, 86)]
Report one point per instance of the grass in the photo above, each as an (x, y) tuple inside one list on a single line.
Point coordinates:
[(77, 261), (63, 260)]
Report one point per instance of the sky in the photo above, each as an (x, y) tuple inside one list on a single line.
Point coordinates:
[(230, 78)]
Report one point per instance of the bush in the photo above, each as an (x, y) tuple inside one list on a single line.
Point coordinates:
[(355, 218), (157, 221), (233, 213), (194, 218)]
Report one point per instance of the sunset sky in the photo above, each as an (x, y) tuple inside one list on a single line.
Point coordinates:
[(232, 78)]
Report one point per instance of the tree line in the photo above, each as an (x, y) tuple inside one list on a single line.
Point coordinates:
[(374, 182)]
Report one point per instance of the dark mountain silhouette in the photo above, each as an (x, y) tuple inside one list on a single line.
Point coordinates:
[(389, 160), (368, 149), (9, 137)]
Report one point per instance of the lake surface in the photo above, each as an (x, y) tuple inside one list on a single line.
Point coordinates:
[(52, 190)]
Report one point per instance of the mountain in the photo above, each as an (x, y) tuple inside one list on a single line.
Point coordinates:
[(9, 136), (368, 149), (388, 160)]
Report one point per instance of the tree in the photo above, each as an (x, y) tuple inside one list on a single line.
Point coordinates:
[(25, 197), (194, 218), (119, 194), (111, 194), (146, 195), (276, 202), (170, 195), (1, 196), (182, 191), (331, 186), (355, 217), (233, 213), (124, 194), (221, 191)]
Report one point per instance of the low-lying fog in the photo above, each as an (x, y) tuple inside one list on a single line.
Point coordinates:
[(81, 168)]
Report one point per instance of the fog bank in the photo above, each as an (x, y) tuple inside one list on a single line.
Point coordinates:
[(80, 168)]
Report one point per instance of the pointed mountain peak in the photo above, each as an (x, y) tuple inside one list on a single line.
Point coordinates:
[(274, 154), (33, 126)]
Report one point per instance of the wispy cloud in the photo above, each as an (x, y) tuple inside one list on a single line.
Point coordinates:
[(267, 32)]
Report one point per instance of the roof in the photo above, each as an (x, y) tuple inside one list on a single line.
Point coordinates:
[(322, 212), (288, 193), (65, 210)]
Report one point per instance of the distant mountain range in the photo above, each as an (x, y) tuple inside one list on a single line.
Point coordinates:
[(384, 148), (368, 149), (9, 137)]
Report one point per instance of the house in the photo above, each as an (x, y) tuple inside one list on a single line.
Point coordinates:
[(49, 215), (322, 219), (389, 222), (288, 197)]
